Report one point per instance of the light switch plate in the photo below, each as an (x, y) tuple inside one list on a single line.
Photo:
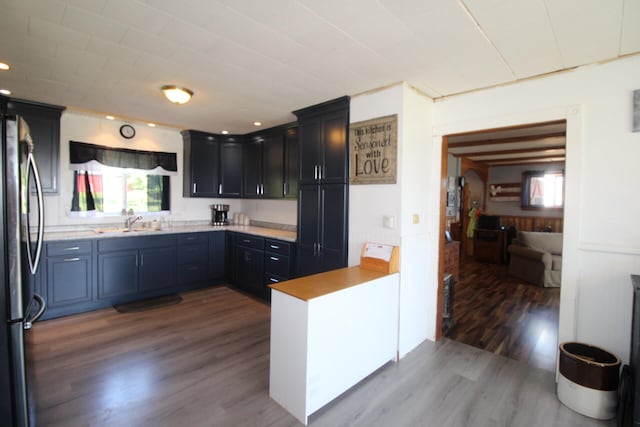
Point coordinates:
[(389, 221), (416, 219)]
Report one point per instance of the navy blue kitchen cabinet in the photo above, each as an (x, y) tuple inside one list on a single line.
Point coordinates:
[(44, 127), (118, 275), (291, 163), (230, 168), (252, 164), (279, 261), (249, 263), (322, 228), (193, 258), (323, 142), (157, 268), (323, 193), (67, 269), (200, 171), (217, 255)]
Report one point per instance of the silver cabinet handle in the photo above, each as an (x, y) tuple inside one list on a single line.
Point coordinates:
[(246, 241), (195, 186), (261, 189), (274, 246), (320, 172), (71, 259), (141, 260), (284, 188), (220, 188), (274, 258), (315, 172), (72, 248), (271, 279)]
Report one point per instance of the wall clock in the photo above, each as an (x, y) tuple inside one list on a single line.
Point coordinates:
[(127, 131)]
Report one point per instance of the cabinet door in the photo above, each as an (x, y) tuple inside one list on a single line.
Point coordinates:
[(117, 274), (192, 263), (308, 229), (44, 127), (157, 268), (69, 280), (217, 257), (250, 269), (230, 169), (334, 156), (292, 164), (273, 167), (205, 158), (230, 255), (310, 131), (252, 166), (333, 226)]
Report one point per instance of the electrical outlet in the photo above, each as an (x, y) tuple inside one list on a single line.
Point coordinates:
[(416, 219)]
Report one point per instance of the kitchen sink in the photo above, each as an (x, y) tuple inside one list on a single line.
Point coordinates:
[(122, 230)]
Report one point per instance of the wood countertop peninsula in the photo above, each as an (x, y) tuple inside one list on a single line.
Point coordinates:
[(317, 285)]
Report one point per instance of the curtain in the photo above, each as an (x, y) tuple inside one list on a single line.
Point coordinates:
[(158, 193), (81, 155), (87, 192)]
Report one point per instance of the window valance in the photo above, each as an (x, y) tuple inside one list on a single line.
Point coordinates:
[(83, 156)]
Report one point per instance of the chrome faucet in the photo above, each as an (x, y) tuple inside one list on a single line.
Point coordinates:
[(130, 221)]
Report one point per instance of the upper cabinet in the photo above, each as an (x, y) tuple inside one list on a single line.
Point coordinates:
[(323, 142), (271, 163), (212, 165), (44, 127)]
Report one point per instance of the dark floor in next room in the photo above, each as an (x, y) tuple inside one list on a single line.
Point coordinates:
[(505, 315)]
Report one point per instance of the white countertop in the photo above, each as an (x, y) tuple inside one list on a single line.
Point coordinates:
[(289, 236)]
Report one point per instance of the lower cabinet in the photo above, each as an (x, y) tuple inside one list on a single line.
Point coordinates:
[(66, 277), (249, 263), (117, 274), (157, 268), (258, 262), (193, 249)]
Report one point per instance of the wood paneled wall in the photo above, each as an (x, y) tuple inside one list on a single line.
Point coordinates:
[(529, 223)]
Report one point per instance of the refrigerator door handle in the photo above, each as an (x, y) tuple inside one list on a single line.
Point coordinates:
[(28, 323), (34, 260)]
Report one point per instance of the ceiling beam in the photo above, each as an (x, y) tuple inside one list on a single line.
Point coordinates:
[(516, 151), (506, 140)]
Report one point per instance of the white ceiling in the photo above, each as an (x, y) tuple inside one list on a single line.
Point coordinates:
[(261, 59)]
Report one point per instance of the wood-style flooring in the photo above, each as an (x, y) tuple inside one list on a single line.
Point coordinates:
[(505, 315), (205, 362)]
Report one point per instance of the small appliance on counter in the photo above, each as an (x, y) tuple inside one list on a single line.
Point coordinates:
[(219, 214)]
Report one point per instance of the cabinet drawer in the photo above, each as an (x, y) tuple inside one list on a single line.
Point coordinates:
[(69, 248), (249, 241), (132, 243), (272, 279), (189, 238), (277, 247), (276, 264)]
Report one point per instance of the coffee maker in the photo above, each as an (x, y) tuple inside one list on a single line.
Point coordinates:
[(219, 214)]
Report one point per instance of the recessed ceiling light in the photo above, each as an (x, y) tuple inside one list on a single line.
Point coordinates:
[(5, 92), (4, 66), (225, 132), (109, 117), (257, 123), (151, 125)]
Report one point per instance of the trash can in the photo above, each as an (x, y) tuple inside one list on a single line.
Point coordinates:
[(588, 380)]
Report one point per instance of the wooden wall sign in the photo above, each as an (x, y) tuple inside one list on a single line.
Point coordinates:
[(374, 151)]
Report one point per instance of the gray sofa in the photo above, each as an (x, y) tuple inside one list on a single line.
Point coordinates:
[(536, 257)]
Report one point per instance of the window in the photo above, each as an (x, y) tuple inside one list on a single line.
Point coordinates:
[(543, 190), (107, 180), (111, 190)]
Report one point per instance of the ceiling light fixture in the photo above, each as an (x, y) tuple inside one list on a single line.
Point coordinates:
[(225, 132), (177, 95), (4, 66), (151, 125), (109, 117), (257, 123), (5, 92)]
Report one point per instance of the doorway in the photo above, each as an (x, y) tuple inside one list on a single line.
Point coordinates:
[(493, 310)]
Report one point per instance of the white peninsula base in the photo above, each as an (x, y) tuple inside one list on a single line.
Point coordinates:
[(328, 332)]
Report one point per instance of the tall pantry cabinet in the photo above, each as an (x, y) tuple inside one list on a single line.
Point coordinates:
[(324, 187)]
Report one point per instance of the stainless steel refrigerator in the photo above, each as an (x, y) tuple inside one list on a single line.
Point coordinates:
[(22, 231)]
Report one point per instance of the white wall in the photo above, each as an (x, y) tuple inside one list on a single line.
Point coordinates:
[(417, 165), (601, 239), (76, 126)]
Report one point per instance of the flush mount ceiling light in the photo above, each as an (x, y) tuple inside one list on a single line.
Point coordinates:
[(4, 66), (177, 95), (5, 92)]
